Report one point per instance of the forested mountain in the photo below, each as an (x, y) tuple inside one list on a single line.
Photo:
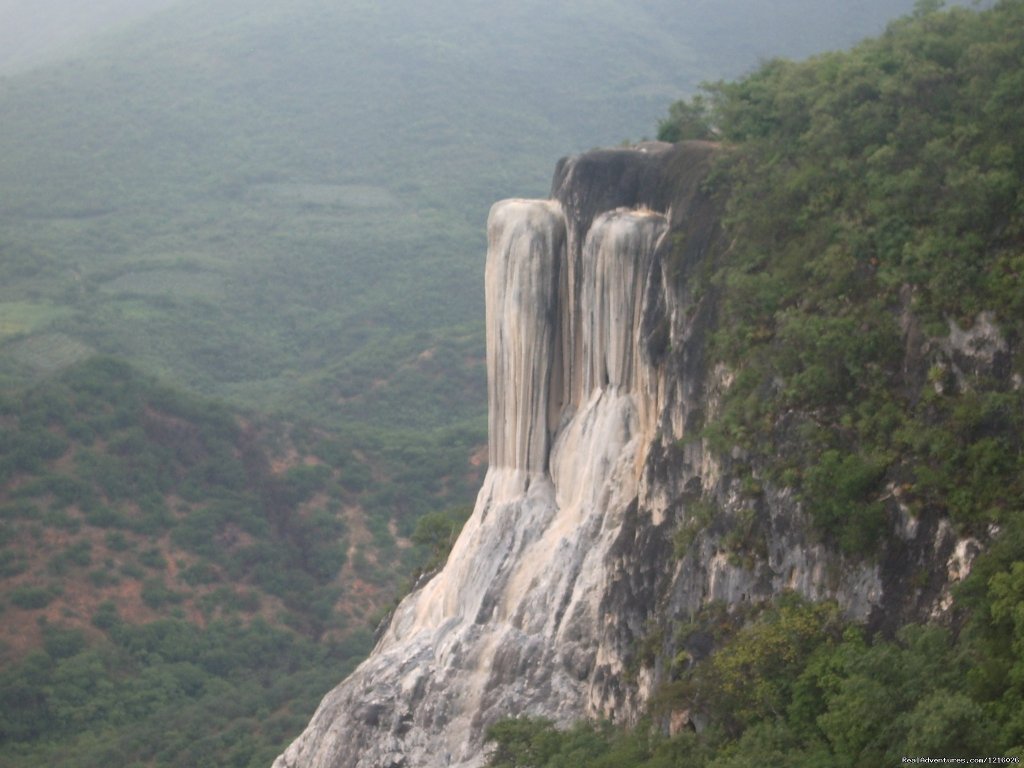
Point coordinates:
[(241, 326), (282, 204)]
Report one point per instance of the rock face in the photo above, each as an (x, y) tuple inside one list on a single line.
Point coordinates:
[(596, 380)]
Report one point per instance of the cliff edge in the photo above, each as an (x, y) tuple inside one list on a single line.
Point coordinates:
[(599, 384)]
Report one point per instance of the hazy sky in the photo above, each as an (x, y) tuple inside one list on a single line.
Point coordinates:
[(32, 31)]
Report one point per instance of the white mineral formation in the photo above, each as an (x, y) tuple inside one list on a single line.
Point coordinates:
[(512, 623)]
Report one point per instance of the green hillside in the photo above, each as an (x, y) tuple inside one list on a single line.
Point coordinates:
[(171, 568)]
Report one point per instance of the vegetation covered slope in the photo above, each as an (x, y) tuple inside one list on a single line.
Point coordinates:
[(180, 583), (876, 222), (877, 202)]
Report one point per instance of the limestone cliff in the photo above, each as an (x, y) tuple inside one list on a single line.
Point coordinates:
[(597, 381)]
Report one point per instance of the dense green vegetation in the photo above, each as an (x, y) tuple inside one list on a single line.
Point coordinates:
[(874, 203), (874, 197), (166, 692), (170, 568), (104, 450)]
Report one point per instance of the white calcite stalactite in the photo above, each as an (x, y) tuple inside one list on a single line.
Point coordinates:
[(526, 248), (512, 624), (617, 257)]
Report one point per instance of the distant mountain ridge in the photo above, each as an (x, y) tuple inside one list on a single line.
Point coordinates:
[(281, 204)]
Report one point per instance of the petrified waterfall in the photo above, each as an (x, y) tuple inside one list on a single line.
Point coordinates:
[(598, 385), (513, 623)]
